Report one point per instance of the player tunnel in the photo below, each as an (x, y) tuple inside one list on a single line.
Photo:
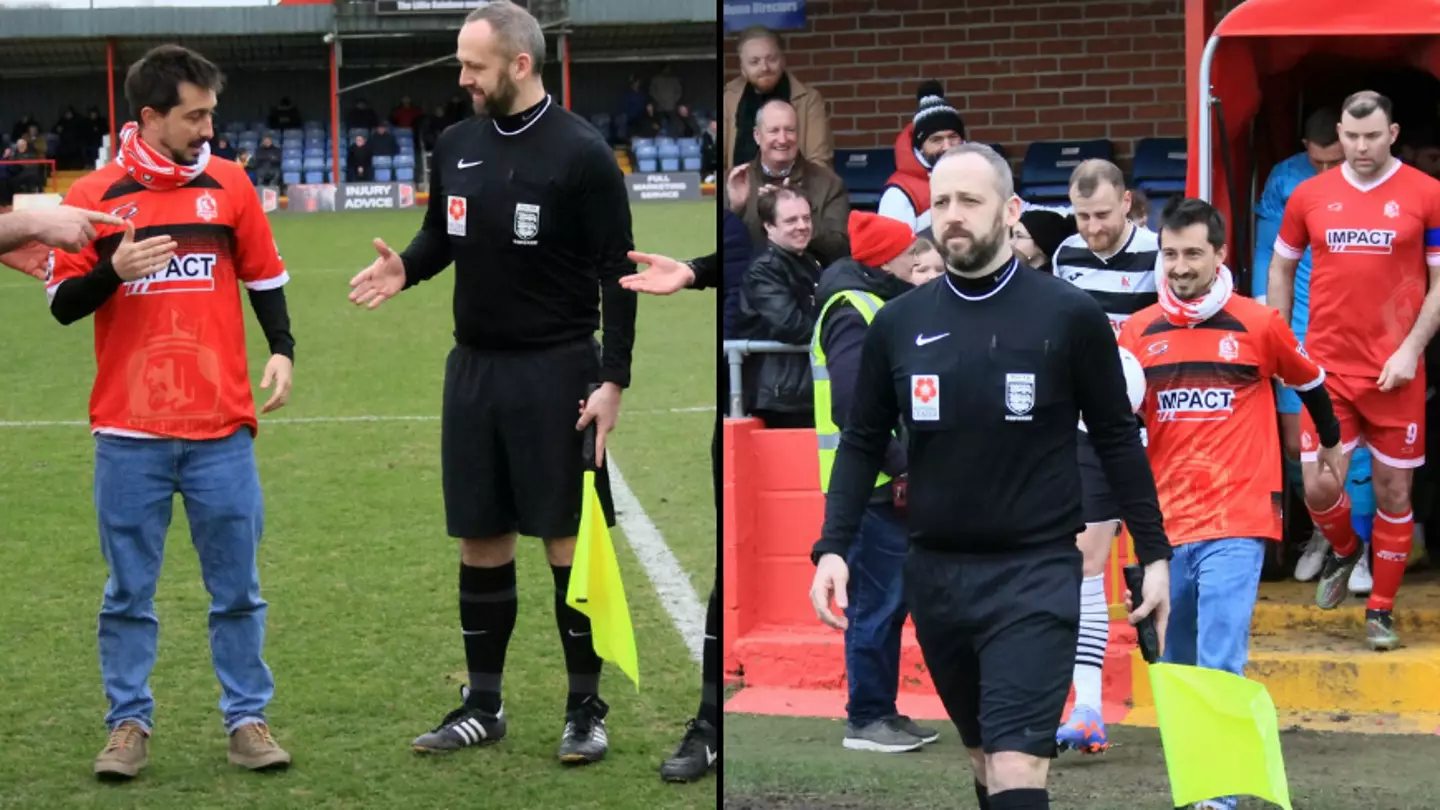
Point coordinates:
[(1269, 63)]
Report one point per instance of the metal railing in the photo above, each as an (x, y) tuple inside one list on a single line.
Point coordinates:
[(735, 353)]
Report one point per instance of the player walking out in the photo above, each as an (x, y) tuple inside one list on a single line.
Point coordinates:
[(529, 204), (171, 409), (1373, 229)]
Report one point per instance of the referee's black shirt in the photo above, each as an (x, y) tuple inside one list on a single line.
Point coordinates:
[(532, 209), (989, 377)]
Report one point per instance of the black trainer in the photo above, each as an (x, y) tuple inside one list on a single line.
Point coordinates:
[(698, 752), (584, 738), (464, 727)]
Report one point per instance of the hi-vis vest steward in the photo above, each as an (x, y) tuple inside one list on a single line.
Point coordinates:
[(827, 434)]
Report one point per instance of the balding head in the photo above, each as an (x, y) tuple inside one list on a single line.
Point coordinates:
[(973, 207), (777, 131)]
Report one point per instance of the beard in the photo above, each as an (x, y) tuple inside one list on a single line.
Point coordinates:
[(499, 103), (181, 154), (981, 251)]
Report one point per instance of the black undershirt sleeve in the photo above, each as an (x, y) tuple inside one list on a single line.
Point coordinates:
[(1105, 407), (604, 217), (77, 298), (707, 271), (274, 317), (1322, 411), (429, 251)]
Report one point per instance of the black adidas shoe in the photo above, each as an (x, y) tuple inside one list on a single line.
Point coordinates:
[(584, 739), (464, 727), (698, 752)]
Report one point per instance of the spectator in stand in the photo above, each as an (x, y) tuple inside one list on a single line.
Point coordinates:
[(362, 159), (632, 104), (647, 125), (285, 115), (1038, 235), (780, 162), (27, 178), (362, 116), (267, 163), (243, 158), (683, 124), (432, 125), (22, 127), (936, 128), (37, 141), (383, 142), (406, 114), (764, 78), (666, 90), (98, 128), (458, 110), (929, 264), (71, 131), (737, 251), (1139, 208), (223, 148), (777, 302), (709, 150)]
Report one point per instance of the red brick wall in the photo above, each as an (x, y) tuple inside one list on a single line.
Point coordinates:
[(1018, 70)]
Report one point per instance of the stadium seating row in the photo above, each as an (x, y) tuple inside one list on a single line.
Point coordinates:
[(1159, 169), (666, 154)]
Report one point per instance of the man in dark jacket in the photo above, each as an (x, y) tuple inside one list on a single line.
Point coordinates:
[(852, 290), (737, 250), (777, 302)]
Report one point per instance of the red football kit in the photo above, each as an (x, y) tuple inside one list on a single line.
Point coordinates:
[(170, 347), (1370, 243)]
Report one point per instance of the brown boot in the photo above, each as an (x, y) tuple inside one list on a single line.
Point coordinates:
[(126, 752), (251, 746)]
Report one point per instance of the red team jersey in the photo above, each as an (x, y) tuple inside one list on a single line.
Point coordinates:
[(170, 347), (1209, 411), (1370, 245)]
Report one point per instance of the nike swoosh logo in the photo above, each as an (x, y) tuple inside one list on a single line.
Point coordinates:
[(921, 340), (463, 165), (710, 756), (574, 634)]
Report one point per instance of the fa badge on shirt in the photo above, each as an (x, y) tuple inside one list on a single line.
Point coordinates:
[(1019, 397), (527, 223)]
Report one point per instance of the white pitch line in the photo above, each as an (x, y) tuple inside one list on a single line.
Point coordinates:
[(322, 420), (677, 593)]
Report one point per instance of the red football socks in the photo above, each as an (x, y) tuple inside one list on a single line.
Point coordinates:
[(1391, 540), (1334, 523)]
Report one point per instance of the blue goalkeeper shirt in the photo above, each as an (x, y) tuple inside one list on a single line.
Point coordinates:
[(1286, 175)]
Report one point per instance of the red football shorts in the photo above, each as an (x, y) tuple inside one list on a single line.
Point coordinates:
[(1390, 423)]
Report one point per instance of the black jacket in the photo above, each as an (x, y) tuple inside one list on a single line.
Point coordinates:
[(777, 302), (841, 336), (738, 252)]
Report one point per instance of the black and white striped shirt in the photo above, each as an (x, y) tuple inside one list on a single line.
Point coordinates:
[(1122, 284)]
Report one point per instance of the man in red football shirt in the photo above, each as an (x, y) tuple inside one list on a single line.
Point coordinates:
[(1373, 229), (171, 410)]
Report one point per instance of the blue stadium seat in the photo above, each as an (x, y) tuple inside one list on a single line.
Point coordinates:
[(690, 163), (294, 132), (314, 152), (689, 147), (403, 160), (601, 121), (382, 161), (314, 177), (291, 165), (405, 174), (641, 143), (316, 164), (670, 164), (1160, 165), (667, 149), (999, 149), (274, 134), (290, 178), (865, 172), (1045, 173), (647, 165), (383, 175)]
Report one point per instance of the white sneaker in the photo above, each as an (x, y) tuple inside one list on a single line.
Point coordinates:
[(1312, 558), (1360, 580)]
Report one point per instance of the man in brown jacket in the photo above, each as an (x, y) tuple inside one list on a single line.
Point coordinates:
[(780, 162), (763, 78)]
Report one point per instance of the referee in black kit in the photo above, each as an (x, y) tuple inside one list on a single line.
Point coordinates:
[(989, 367), (528, 202)]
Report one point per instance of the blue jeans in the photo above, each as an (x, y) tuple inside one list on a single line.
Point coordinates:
[(1213, 584), (876, 615), (135, 485)]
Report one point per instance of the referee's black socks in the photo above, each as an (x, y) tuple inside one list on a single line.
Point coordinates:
[(1022, 799), (487, 618), (982, 794), (710, 666), (580, 659)]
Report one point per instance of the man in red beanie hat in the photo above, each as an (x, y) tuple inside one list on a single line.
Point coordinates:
[(852, 290)]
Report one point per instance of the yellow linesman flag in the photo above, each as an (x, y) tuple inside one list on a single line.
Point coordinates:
[(596, 589), (1221, 735)]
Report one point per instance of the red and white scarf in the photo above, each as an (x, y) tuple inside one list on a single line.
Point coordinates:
[(1199, 310), (152, 169)]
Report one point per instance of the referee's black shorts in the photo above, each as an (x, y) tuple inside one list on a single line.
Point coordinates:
[(1097, 501), (509, 450), (998, 633)]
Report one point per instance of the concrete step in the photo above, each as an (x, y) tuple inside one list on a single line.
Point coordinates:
[(1291, 606)]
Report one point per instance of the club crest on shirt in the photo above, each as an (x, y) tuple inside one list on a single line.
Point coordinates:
[(126, 211), (1229, 348), (1019, 397), (206, 208), (1392, 209), (527, 223)]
